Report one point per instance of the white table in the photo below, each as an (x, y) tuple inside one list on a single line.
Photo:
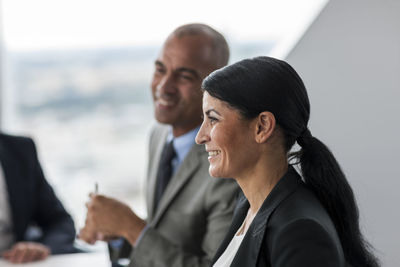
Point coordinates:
[(98, 259)]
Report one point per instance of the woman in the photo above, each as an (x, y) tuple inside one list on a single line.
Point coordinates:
[(254, 112)]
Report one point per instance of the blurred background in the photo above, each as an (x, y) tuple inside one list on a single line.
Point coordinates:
[(75, 76)]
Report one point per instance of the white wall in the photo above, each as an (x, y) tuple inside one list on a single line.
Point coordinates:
[(1, 65), (349, 59)]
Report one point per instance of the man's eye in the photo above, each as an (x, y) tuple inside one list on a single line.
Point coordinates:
[(185, 77), (159, 70)]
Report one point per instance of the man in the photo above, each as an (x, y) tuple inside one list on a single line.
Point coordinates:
[(26, 199), (187, 217)]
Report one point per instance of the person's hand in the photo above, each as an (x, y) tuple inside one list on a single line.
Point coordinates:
[(107, 218), (23, 252)]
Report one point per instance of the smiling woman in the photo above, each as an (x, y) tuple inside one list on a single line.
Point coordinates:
[(254, 112), (227, 134)]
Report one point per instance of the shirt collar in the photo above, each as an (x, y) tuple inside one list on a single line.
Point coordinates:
[(183, 143)]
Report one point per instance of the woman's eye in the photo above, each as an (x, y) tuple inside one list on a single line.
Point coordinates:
[(212, 120)]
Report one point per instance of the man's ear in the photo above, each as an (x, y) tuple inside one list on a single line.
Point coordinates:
[(265, 126)]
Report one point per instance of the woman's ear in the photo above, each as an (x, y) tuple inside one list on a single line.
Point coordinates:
[(265, 126)]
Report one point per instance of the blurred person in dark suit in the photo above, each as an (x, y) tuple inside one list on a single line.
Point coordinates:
[(188, 211), (33, 222)]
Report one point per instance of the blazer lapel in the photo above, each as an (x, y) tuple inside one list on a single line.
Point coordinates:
[(247, 254), (179, 179), (240, 213)]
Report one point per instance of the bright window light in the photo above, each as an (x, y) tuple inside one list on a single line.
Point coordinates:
[(76, 78)]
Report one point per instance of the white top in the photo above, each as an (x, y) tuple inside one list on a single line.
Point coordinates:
[(229, 254), (226, 258), (6, 233)]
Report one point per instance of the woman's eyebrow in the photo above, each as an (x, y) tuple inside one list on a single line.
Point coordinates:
[(212, 110)]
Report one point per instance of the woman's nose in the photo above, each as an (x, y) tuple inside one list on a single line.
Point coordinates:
[(202, 136)]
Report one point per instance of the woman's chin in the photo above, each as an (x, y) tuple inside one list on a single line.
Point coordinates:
[(215, 173)]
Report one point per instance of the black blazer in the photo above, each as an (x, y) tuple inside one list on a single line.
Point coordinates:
[(291, 229), (32, 200)]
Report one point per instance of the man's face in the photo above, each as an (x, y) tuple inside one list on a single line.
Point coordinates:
[(179, 70)]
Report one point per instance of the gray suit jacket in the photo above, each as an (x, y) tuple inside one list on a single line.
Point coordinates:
[(193, 215)]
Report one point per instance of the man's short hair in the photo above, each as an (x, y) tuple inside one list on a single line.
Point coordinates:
[(219, 43)]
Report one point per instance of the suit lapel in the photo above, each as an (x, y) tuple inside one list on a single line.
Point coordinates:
[(241, 209), (247, 254), (190, 164), (152, 174)]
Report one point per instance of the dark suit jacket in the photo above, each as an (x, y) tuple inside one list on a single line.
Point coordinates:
[(291, 229), (32, 200)]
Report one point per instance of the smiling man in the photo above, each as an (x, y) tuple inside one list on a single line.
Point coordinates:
[(188, 211)]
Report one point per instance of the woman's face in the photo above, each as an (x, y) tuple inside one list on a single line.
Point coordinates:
[(228, 138)]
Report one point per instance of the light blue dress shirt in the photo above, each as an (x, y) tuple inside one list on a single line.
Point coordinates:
[(182, 146)]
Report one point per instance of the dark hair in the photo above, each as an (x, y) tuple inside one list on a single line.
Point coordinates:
[(266, 84), (218, 41)]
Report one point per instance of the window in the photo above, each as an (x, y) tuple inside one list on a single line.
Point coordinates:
[(77, 73)]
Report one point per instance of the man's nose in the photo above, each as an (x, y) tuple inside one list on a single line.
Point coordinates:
[(166, 85)]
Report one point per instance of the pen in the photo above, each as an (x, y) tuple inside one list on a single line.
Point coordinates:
[(96, 188)]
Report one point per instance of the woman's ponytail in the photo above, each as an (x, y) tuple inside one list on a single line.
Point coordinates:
[(323, 175), (252, 86)]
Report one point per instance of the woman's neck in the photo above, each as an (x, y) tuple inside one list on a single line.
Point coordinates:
[(259, 182)]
